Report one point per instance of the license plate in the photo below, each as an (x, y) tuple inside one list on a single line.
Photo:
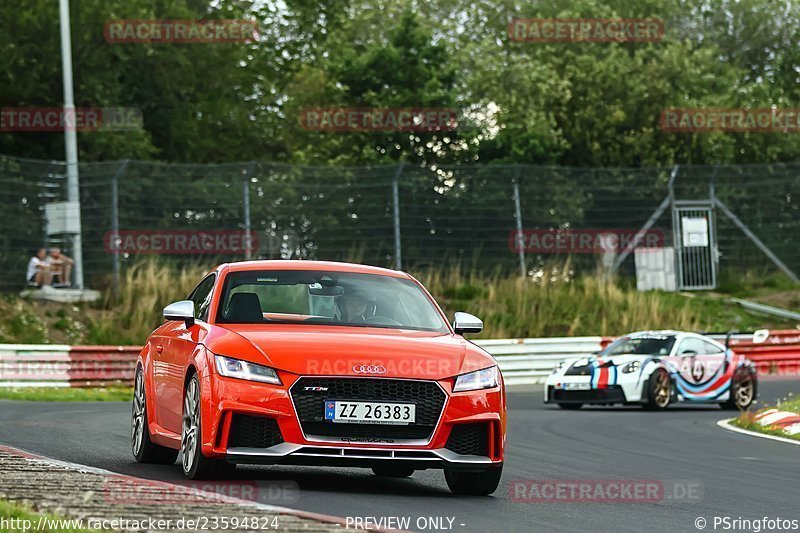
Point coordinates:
[(370, 412), (576, 386)]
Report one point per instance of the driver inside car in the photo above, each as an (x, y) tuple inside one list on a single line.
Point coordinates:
[(355, 307)]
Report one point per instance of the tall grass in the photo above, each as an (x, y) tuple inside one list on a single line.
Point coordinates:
[(145, 288), (553, 303)]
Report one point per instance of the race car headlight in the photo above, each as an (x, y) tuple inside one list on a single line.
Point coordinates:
[(236, 368), (631, 367), (480, 379), (559, 367)]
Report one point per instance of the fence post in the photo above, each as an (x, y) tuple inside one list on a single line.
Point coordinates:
[(248, 250), (114, 244), (518, 213), (667, 202), (398, 261)]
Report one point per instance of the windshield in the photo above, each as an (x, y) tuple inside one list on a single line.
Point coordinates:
[(641, 345), (327, 298)]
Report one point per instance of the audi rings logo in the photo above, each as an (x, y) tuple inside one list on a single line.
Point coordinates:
[(369, 369)]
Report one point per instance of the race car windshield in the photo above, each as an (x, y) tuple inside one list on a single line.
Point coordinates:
[(327, 298), (656, 345)]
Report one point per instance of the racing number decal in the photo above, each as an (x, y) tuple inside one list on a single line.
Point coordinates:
[(698, 369)]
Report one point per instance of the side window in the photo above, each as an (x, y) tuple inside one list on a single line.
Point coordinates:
[(201, 297), (691, 344), (711, 349)]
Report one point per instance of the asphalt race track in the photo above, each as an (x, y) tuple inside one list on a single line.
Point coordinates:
[(728, 474)]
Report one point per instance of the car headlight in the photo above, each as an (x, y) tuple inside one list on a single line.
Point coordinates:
[(631, 367), (480, 379), (559, 367), (236, 368)]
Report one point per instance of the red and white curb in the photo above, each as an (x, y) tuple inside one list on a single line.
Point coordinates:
[(786, 421), (727, 424)]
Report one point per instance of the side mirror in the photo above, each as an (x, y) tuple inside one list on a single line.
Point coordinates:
[(466, 323), (760, 335), (182, 310)]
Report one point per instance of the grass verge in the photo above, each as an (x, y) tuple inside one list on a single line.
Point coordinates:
[(747, 420), (19, 518), (66, 394)]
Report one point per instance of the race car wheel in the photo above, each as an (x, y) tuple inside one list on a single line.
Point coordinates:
[(393, 471), (144, 450), (570, 406), (744, 388), (195, 464), (659, 390), (473, 483)]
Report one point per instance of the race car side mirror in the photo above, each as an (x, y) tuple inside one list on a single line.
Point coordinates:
[(182, 310), (466, 323)]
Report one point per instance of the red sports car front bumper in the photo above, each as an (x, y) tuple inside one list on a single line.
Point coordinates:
[(258, 423)]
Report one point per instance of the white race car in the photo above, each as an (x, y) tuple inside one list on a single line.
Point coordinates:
[(654, 369)]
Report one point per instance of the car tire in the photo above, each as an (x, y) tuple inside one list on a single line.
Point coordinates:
[(145, 450), (570, 406), (659, 390), (398, 471), (473, 483), (744, 389), (195, 465)]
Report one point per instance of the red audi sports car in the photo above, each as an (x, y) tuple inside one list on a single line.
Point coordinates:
[(317, 363)]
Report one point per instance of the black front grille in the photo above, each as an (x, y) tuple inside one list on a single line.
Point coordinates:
[(469, 439), (254, 432), (611, 394), (585, 370), (310, 406)]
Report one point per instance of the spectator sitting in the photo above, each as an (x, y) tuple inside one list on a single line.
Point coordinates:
[(60, 267), (38, 273)]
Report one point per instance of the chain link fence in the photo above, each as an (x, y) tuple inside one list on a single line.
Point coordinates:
[(388, 215)]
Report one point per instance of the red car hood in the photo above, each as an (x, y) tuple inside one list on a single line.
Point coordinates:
[(349, 351)]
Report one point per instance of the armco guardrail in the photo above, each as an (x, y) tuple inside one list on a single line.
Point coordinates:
[(522, 361), (55, 365), (778, 354), (530, 361)]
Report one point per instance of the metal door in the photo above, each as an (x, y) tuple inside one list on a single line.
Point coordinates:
[(695, 237)]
